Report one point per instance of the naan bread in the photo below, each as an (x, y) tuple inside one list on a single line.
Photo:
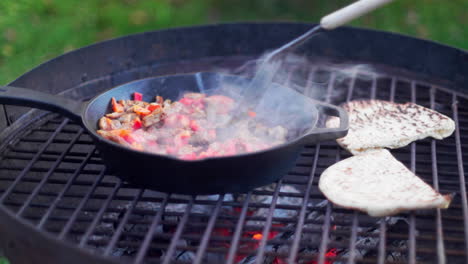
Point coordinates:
[(377, 183), (375, 124)]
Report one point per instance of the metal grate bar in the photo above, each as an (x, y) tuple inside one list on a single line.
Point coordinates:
[(327, 220), (382, 241), (50, 152), (178, 233), (412, 221), (383, 224), (206, 235), (266, 229), (149, 236), (352, 241), (351, 86), (299, 228), (80, 206), (48, 174), (461, 170), (122, 223), (33, 161), (238, 231), (302, 214), (354, 225), (89, 231), (45, 157), (435, 178), (355, 221), (64, 190), (373, 86), (392, 89), (325, 232)]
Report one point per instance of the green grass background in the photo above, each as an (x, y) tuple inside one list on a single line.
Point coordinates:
[(33, 31)]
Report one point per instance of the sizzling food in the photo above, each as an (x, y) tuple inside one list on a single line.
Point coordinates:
[(195, 127), (375, 124), (376, 183)]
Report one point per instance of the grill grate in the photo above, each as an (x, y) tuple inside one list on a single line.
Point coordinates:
[(51, 177)]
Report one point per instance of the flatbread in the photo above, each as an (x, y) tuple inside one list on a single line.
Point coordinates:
[(377, 183), (375, 124)]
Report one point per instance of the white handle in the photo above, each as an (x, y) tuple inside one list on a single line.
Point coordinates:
[(348, 13)]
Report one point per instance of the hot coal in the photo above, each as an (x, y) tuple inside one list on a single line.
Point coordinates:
[(279, 241)]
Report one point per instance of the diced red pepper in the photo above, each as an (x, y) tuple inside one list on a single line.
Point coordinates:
[(137, 96), (137, 123), (153, 107), (252, 113), (194, 125), (116, 107)]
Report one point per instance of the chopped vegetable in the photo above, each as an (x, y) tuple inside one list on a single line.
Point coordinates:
[(141, 111), (137, 124), (153, 107), (137, 96), (116, 107), (195, 127)]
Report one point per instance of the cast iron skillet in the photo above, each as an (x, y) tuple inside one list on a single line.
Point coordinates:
[(230, 174)]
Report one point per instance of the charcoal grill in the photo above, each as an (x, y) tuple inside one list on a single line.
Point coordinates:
[(58, 204)]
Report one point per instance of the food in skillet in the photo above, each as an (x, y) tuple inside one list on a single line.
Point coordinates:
[(377, 183), (195, 127), (375, 124)]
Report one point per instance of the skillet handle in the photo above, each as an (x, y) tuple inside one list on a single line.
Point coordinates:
[(31, 98), (323, 134)]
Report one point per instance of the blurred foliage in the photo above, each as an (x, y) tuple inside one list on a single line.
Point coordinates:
[(33, 31)]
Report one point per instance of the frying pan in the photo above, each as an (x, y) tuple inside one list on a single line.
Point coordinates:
[(231, 174)]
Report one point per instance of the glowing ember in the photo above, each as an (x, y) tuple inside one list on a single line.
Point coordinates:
[(257, 236)]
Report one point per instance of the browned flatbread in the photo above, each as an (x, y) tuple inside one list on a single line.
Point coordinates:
[(377, 183), (375, 124)]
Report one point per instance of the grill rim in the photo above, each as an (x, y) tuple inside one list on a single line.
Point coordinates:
[(24, 232)]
